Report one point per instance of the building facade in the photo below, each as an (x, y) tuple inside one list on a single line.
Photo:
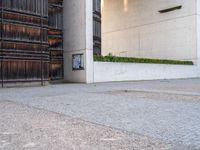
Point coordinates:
[(24, 41), (43, 40), (97, 26), (55, 39), (165, 30), (31, 41)]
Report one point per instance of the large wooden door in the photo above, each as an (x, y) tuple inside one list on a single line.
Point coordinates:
[(24, 55)]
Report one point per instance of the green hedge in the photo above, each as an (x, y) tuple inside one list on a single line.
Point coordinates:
[(140, 60)]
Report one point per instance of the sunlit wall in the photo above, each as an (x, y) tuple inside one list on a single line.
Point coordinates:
[(135, 28)]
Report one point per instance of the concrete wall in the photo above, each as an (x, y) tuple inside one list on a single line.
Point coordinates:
[(78, 39), (107, 72), (198, 30), (139, 30), (135, 30)]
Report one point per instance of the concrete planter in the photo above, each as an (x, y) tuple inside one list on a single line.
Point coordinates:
[(108, 71)]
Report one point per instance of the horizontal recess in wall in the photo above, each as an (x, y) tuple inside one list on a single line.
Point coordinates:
[(170, 9)]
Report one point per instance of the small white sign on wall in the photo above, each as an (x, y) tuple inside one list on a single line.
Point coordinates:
[(78, 62)]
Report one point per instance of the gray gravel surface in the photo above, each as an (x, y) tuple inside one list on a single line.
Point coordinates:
[(167, 110), (23, 127)]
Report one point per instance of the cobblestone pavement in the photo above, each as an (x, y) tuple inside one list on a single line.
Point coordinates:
[(166, 110)]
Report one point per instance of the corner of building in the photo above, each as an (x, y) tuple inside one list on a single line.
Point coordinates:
[(78, 40), (198, 33)]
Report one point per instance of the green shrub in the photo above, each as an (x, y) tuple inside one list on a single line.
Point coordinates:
[(111, 58)]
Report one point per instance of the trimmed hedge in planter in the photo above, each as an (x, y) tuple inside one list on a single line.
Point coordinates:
[(140, 60)]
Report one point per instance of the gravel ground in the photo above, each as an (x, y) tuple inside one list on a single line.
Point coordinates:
[(166, 110), (23, 127)]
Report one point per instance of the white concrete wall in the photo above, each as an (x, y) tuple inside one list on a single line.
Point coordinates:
[(198, 30), (139, 30), (107, 71), (78, 39)]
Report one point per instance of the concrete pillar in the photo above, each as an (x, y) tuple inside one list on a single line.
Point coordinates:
[(198, 31), (78, 39)]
